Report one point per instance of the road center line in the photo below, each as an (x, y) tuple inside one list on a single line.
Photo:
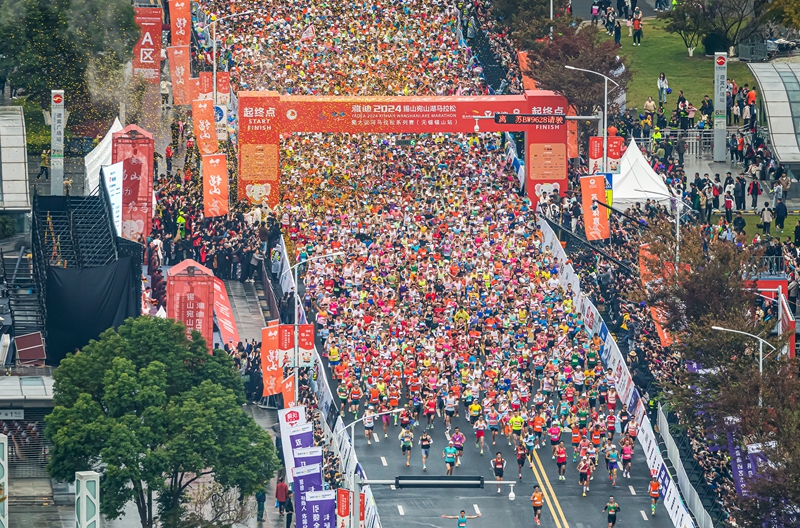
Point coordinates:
[(633, 491), (402, 512), (377, 440), (477, 510), (550, 487), (383, 461), (545, 494), (644, 515)]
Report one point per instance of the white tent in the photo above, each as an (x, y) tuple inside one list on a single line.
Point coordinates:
[(99, 156), (637, 181)]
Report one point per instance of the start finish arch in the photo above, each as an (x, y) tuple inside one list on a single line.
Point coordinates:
[(264, 116)]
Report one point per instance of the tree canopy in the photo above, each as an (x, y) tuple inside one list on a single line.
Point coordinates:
[(529, 20), (152, 411), (51, 44)]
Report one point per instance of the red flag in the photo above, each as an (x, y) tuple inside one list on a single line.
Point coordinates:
[(179, 71), (271, 371), (595, 217), (205, 129), (309, 34), (215, 185), (287, 389), (206, 85), (223, 87), (180, 16)]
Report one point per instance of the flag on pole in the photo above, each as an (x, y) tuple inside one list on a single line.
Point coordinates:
[(309, 34)]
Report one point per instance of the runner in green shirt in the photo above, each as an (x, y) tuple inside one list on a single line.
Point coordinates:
[(449, 454), (406, 438), (612, 508)]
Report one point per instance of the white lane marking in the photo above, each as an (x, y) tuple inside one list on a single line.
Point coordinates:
[(377, 440), (644, 515), (392, 486), (477, 510), (402, 512), (633, 491), (383, 461)]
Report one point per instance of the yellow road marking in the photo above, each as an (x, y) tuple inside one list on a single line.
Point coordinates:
[(544, 493), (550, 487)]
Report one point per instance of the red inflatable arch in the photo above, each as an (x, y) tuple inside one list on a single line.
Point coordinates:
[(264, 116)]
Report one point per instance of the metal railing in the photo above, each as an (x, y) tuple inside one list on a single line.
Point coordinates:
[(772, 265), (690, 494)]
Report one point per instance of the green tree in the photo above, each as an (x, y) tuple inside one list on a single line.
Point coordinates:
[(152, 411), (52, 44), (689, 21)]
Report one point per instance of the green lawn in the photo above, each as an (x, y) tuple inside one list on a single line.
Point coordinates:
[(662, 51), (752, 220)]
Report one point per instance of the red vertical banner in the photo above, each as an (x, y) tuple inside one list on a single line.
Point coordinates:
[(134, 146), (306, 344), (595, 154), (259, 168), (343, 498), (652, 272), (343, 502), (179, 72), (287, 390), (223, 88), (205, 129), (190, 298), (193, 89), (206, 86), (225, 318), (180, 17), (595, 217), (215, 185), (286, 345), (615, 146), (147, 50), (270, 368)]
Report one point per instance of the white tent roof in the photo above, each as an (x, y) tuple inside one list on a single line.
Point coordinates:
[(635, 173), (99, 156)]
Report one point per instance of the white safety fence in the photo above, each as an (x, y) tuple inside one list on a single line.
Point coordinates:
[(693, 500), (628, 394)]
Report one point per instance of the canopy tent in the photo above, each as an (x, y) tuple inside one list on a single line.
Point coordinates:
[(99, 156), (637, 181)]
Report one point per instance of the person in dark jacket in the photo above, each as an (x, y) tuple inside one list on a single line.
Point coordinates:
[(797, 234), (289, 510), (780, 215), (754, 190), (739, 223)]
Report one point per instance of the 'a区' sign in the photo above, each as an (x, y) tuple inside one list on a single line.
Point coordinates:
[(530, 119)]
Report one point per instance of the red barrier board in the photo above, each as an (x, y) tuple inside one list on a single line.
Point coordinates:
[(225, 319)]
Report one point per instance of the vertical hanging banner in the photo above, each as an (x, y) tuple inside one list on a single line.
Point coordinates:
[(224, 313), (259, 169), (204, 129), (307, 456), (57, 141), (190, 298), (221, 122), (720, 105), (270, 369), (215, 185), (193, 89), (179, 72), (306, 479), (344, 499), (615, 146), (206, 86), (306, 345), (112, 177), (180, 16), (147, 50), (595, 217), (287, 419), (223, 88), (301, 436), (287, 390), (133, 146), (652, 273), (286, 346), (321, 507)]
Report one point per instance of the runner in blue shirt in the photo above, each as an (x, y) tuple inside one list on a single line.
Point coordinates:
[(461, 518)]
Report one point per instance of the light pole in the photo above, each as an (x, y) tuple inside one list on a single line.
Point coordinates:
[(605, 105), (296, 357), (760, 353), (214, 52), (678, 213)]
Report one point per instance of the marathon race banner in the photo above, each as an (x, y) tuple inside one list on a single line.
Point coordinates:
[(147, 50), (596, 221), (307, 456), (225, 319), (306, 345), (319, 510), (270, 368), (223, 88), (206, 86), (344, 498), (215, 185), (287, 391), (301, 436), (616, 145), (180, 73), (287, 419), (205, 129), (306, 479), (628, 394), (652, 271), (180, 17), (190, 298), (133, 146)]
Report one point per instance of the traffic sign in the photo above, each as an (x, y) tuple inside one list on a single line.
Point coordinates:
[(530, 119)]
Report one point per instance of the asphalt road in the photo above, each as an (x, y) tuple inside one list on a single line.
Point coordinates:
[(583, 9), (564, 506)]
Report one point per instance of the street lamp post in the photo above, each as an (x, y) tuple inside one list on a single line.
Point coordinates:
[(678, 213), (296, 356), (761, 343), (606, 80), (214, 52)]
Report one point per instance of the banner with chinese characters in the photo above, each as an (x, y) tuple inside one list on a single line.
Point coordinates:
[(270, 369), (306, 479), (223, 88), (320, 510), (288, 418), (652, 272), (57, 123), (179, 72), (344, 498), (215, 185), (206, 86), (112, 177), (225, 319), (305, 345), (259, 171), (205, 131), (307, 456), (180, 16), (615, 146), (133, 146), (595, 217), (193, 89), (190, 298), (147, 50), (287, 390)]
